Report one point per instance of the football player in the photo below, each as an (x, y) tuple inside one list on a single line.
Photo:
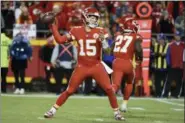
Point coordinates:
[(127, 42), (90, 39)]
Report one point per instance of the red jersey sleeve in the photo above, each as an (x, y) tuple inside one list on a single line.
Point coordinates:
[(72, 33), (58, 38)]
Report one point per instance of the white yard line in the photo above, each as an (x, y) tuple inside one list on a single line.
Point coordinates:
[(41, 118), (177, 109), (136, 108), (30, 95), (73, 97), (157, 121), (49, 95), (167, 102), (99, 119), (181, 100)]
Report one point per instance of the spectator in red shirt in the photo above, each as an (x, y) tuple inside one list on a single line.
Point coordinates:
[(75, 19), (37, 6), (86, 4), (175, 8), (50, 4), (61, 18), (72, 6), (175, 61), (25, 17), (156, 15)]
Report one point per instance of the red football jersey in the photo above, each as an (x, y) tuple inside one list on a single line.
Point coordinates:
[(89, 47), (124, 45)]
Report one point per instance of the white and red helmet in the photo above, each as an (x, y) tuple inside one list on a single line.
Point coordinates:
[(129, 24), (90, 12)]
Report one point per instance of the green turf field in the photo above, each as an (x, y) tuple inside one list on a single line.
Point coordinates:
[(30, 109)]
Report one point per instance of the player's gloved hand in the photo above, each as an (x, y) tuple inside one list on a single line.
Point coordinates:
[(104, 42)]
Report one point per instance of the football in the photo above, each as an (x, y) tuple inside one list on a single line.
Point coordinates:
[(48, 17)]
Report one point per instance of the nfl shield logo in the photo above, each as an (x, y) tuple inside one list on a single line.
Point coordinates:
[(95, 36)]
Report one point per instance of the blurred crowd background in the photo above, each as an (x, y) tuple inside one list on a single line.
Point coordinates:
[(166, 15), (167, 43)]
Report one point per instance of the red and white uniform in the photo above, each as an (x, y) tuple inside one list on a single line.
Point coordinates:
[(89, 56), (89, 46), (123, 52), (124, 46)]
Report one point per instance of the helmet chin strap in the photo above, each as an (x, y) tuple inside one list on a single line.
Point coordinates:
[(92, 25)]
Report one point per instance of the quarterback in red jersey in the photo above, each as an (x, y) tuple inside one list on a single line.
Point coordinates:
[(90, 39), (127, 42)]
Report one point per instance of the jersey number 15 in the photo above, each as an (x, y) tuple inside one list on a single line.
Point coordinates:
[(90, 47)]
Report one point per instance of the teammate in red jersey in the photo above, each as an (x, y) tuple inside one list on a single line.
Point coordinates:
[(127, 42), (91, 40)]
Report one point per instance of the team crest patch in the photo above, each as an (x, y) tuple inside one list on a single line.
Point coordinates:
[(95, 36)]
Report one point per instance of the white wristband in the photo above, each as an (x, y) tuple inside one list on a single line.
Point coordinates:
[(105, 44)]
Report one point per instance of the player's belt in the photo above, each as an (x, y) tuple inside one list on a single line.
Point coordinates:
[(87, 61)]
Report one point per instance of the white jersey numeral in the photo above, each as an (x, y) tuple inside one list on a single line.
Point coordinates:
[(119, 40), (90, 48)]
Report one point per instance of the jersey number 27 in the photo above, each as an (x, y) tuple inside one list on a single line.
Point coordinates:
[(119, 41)]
